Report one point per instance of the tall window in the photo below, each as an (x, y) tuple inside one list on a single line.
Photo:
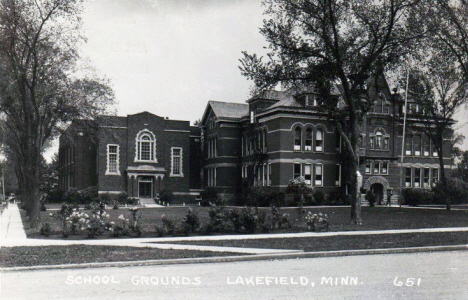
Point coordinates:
[(308, 139), (417, 145), (269, 174), (426, 178), (384, 168), (318, 175), (386, 143), (435, 176), (434, 150), (112, 160), (264, 145), (371, 142), (319, 140), (408, 177), (297, 170), (146, 147), (368, 167), (378, 140), (417, 177), (409, 145), (308, 173), (176, 165), (297, 139), (427, 146), (338, 175)]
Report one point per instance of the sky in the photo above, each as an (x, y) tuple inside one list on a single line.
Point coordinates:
[(169, 57)]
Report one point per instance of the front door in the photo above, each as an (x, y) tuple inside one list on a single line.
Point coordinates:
[(145, 187), (377, 190)]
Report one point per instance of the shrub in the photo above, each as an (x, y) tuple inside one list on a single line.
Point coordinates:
[(55, 196), (415, 197), (121, 198), (333, 198), (63, 217), (317, 222), (458, 192), (219, 220), (371, 198), (167, 228), (122, 228), (278, 219), (88, 195), (300, 189), (234, 217), (209, 197), (45, 229), (248, 219), (318, 198), (94, 225), (104, 198), (72, 196), (166, 196), (191, 222)]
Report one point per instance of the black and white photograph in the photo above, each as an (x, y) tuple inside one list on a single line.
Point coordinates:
[(234, 149)]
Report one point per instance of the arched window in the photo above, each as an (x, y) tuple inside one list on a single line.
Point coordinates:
[(297, 139), (319, 140), (308, 139), (145, 147), (378, 140)]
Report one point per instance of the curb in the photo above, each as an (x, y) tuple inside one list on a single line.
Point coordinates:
[(258, 257)]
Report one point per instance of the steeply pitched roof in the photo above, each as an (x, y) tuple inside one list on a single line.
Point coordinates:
[(225, 110)]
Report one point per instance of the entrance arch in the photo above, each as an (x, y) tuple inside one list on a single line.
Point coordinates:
[(378, 185)]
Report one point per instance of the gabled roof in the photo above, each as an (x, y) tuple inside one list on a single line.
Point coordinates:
[(226, 110)]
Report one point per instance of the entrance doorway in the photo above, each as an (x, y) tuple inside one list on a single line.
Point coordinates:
[(145, 187), (377, 190)]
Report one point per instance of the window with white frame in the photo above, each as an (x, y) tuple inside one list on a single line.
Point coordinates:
[(384, 167), (417, 145), (435, 176), (408, 177), (426, 175), (145, 147), (297, 170), (319, 140), (308, 139), (434, 150), (409, 145), (308, 173), (378, 140), (297, 139), (426, 147), (417, 177), (318, 175), (338, 175), (112, 160), (176, 162), (368, 167)]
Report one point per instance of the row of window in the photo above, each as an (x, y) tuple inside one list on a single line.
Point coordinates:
[(379, 141), (416, 145), (211, 176), (377, 167), (113, 156), (309, 140), (262, 175), (212, 147), (421, 177), (254, 143), (315, 171)]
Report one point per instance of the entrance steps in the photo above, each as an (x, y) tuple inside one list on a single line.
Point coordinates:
[(147, 201)]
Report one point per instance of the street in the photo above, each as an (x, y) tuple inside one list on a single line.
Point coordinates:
[(440, 275)]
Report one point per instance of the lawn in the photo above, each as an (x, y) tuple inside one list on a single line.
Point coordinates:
[(56, 255), (336, 243), (377, 218)]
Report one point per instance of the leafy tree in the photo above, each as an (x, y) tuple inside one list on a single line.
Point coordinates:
[(334, 43), (42, 83), (461, 170)]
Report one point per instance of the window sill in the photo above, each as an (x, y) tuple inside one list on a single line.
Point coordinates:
[(146, 161), (112, 174), (176, 175)]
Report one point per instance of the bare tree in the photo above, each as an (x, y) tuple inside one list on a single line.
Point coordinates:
[(334, 42), (42, 84)]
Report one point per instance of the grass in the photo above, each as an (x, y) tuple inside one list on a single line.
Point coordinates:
[(378, 218), (334, 243), (56, 255)]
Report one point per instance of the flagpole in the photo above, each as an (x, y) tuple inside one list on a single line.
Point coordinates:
[(403, 140)]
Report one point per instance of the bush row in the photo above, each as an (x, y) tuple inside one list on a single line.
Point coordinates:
[(458, 193)]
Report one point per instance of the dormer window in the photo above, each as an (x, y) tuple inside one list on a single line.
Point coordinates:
[(311, 100)]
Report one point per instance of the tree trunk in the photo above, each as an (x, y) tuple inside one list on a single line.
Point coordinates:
[(353, 190), (443, 179)]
